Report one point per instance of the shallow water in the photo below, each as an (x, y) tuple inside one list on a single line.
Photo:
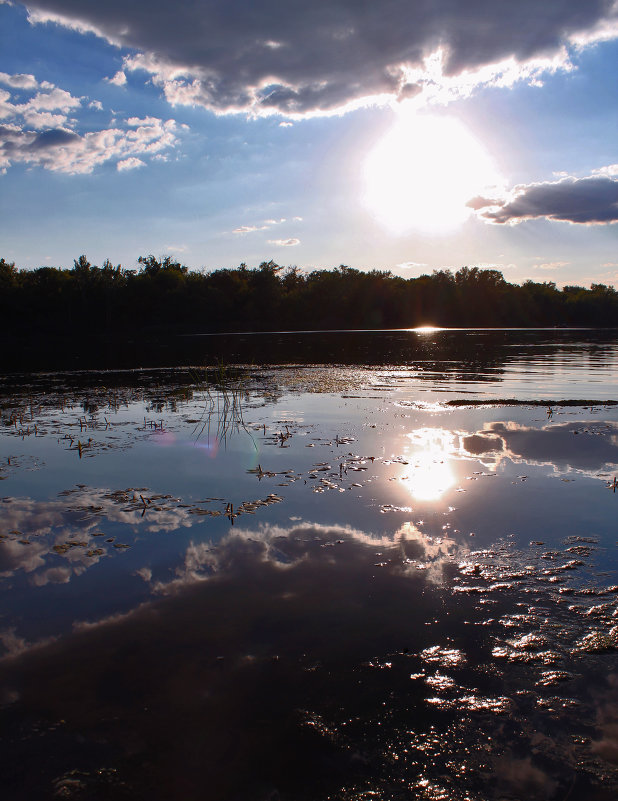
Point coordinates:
[(312, 583)]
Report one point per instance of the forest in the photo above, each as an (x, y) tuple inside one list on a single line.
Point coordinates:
[(164, 295)]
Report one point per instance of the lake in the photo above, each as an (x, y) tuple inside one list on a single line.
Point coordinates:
[(347, 566)]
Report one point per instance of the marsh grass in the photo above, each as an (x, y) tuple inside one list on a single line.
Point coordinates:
[(222, 416)]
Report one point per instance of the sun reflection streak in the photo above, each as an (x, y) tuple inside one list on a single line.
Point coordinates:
[(430, 473)]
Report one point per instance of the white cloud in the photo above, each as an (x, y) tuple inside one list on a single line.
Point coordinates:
[(37, 111), (41, 17), (39, 132), (249, 229), (550, 265), (7, 109), (54, 100), (301, 59), (19, 81), (131, 163), (119, 79), (284, 243), (61, 150), (44, 119), (136, 122), (411, 265), (264, 226), (610, 170)]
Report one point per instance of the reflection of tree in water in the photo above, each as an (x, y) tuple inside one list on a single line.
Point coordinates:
[(478, 355)]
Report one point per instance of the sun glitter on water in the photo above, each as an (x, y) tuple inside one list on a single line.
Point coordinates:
[(423, 172), (430, 473)]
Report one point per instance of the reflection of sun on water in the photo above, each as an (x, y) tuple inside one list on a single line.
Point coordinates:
[(426, 329), (429, 473), (424, 171)]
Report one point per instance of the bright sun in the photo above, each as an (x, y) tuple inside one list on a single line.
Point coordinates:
[(423, 172)]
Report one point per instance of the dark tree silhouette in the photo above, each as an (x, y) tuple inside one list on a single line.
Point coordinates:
[(50, 309)]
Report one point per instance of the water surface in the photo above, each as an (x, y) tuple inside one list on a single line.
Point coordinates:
[(343, 582)]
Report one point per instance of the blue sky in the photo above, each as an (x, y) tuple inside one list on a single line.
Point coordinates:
[(399, 135)]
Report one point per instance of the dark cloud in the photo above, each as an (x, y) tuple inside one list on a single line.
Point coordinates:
[(53, 138), (587, 201), (299, 56)]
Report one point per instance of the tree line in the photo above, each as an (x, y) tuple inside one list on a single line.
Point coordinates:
[(162, 295)]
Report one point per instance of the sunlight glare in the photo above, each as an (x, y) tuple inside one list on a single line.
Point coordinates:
[(422, 173), (429, 473)]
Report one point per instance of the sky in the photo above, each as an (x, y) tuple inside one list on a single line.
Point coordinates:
[(401, 135)]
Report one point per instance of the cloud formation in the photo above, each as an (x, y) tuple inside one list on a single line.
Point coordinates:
[(264, 226), (284, 243), (40, 132), (583, 201), (50, 106), (589, 448), (132, 163), (301, 58), (550, 265)]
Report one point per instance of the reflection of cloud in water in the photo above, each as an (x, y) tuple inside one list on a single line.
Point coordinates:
[(430, 554), (70, 529), (85, 508), (409, 551), (217, 681), (15, 646), (264, 660), (586, 447), (522, 777), (274, 545), (16, 556), (31, 557), (607, 722)]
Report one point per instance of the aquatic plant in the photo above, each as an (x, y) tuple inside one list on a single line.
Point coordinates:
[(222, 416)]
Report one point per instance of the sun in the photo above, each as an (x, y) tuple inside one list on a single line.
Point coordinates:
[(422, 173)]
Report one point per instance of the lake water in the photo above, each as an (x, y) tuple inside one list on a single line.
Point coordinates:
[(394, 577)]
